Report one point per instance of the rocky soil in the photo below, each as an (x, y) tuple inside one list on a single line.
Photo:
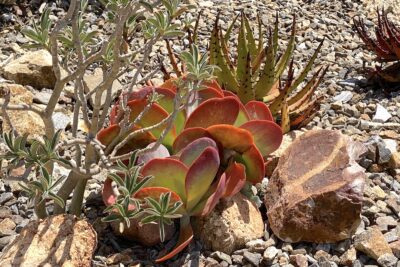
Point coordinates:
[(364, 113)]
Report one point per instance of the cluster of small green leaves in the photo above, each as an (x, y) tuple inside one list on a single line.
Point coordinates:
[(128, 207), (40, 32), (197, 65), (35, 156), (87, 37)]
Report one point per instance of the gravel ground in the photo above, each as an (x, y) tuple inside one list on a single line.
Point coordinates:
[(356, 115)]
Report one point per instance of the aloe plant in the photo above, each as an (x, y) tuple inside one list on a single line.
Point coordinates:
[(259, 68), (386, 45), (210, 153)]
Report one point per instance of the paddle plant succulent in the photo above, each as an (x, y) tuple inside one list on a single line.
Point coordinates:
[(386, 45), (256, 73), (211, 151)]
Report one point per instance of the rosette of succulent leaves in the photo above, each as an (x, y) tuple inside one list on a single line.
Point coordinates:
[(76, 49)]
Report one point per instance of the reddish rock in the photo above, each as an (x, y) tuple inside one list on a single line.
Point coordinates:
[(315, 193), (146, 234)]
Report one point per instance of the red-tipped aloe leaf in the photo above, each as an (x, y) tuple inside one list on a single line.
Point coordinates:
[(235, 179), (231, 137), (200, 176), (188, 136), (254, 162), (168, 173), (214, 111), (192, 151), (267, 135), (185, 237), (258, 110)]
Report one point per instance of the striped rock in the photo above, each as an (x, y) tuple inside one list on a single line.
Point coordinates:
[(315, 193)]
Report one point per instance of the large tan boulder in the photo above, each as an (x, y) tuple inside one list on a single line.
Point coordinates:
[(24, 122), (33, 68), (232, 224), (60, 240), (315, 193)]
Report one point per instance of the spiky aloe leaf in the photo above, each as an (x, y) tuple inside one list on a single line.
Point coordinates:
[(251, 41), (224, 74), (285, 58), (275, 35), (230, 28), (246, 92), (285, 119), (307, 91), (307, 68), (276, 105), (225, 52), (267, 77), (243, 70), (260, 35)]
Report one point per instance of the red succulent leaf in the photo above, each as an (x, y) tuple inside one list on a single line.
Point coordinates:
[(213, 84), (267, 135), (166, 101), (188, 136), (192, 151), (235, 179), (231, 137), (229, 93), (108, 195), (200, 176), (217, 193), (214, 111), (185, 237), (208, 93), (107, 135), (169, 173), (160, 152), (258, 110), (254, 162)]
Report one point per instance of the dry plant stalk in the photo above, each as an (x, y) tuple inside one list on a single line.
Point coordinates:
[(75, 56)]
